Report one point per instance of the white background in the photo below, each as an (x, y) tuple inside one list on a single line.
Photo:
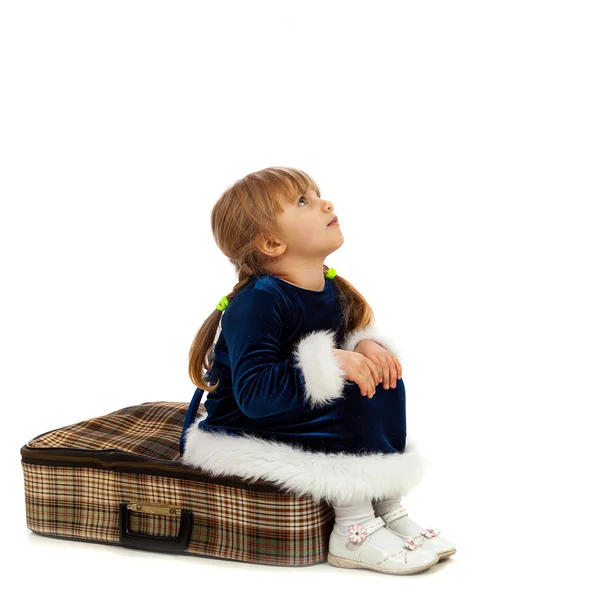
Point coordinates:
[(459, 143)]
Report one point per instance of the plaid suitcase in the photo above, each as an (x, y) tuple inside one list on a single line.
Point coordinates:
[(118, 479)]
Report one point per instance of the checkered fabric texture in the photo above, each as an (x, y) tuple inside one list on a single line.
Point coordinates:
[(230, 519), (151, 429)]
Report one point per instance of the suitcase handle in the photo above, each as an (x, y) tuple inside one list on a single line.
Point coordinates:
[(159, 543), (190, 417)]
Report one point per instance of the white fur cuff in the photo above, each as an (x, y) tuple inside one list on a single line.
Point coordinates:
[(376, 335), (323, 374)]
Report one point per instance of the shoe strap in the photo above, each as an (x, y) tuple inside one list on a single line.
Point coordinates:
[(394, 514), (359, 533)]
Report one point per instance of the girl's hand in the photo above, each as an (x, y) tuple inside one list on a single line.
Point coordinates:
[(388, 366), (359, 369)]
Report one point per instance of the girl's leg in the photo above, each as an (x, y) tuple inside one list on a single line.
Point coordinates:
[(403, 525), (383, 506), (350, 513)]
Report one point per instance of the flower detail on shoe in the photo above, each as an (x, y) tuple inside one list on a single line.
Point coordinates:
[(430, 533), (357, 533)]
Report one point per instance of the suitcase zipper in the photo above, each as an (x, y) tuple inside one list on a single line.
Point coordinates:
[(33, 456)]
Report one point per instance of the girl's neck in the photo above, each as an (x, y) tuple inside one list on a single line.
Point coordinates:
[(308, 279)]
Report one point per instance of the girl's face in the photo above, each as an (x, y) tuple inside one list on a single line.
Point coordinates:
[(306, 229)]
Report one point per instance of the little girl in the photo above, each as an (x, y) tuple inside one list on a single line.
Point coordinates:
[(304, 390)]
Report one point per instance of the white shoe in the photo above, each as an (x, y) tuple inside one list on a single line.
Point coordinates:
[(432, 540), (353, 549)]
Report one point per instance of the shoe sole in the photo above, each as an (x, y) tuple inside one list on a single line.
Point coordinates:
[(345, 563), (444, 555)]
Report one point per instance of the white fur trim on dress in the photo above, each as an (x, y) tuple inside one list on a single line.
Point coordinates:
[(323, 373), (374, 333), (337, 478)]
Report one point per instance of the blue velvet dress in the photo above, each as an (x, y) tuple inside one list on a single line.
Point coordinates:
[(262, 391)]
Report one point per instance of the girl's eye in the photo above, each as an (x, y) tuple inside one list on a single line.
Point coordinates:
[(302, 199)]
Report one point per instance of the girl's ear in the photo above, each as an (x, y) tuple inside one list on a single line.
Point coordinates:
[(271, 246)]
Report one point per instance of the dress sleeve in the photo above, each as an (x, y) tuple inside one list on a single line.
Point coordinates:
[(264, 384)]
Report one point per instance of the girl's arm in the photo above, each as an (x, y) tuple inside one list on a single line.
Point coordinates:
[(264, 385), (373, 333)]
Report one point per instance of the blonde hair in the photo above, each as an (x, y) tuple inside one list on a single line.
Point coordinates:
[(245, 212)]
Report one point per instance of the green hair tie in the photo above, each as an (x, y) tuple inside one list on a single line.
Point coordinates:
[(331, 273), (223, 303)]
